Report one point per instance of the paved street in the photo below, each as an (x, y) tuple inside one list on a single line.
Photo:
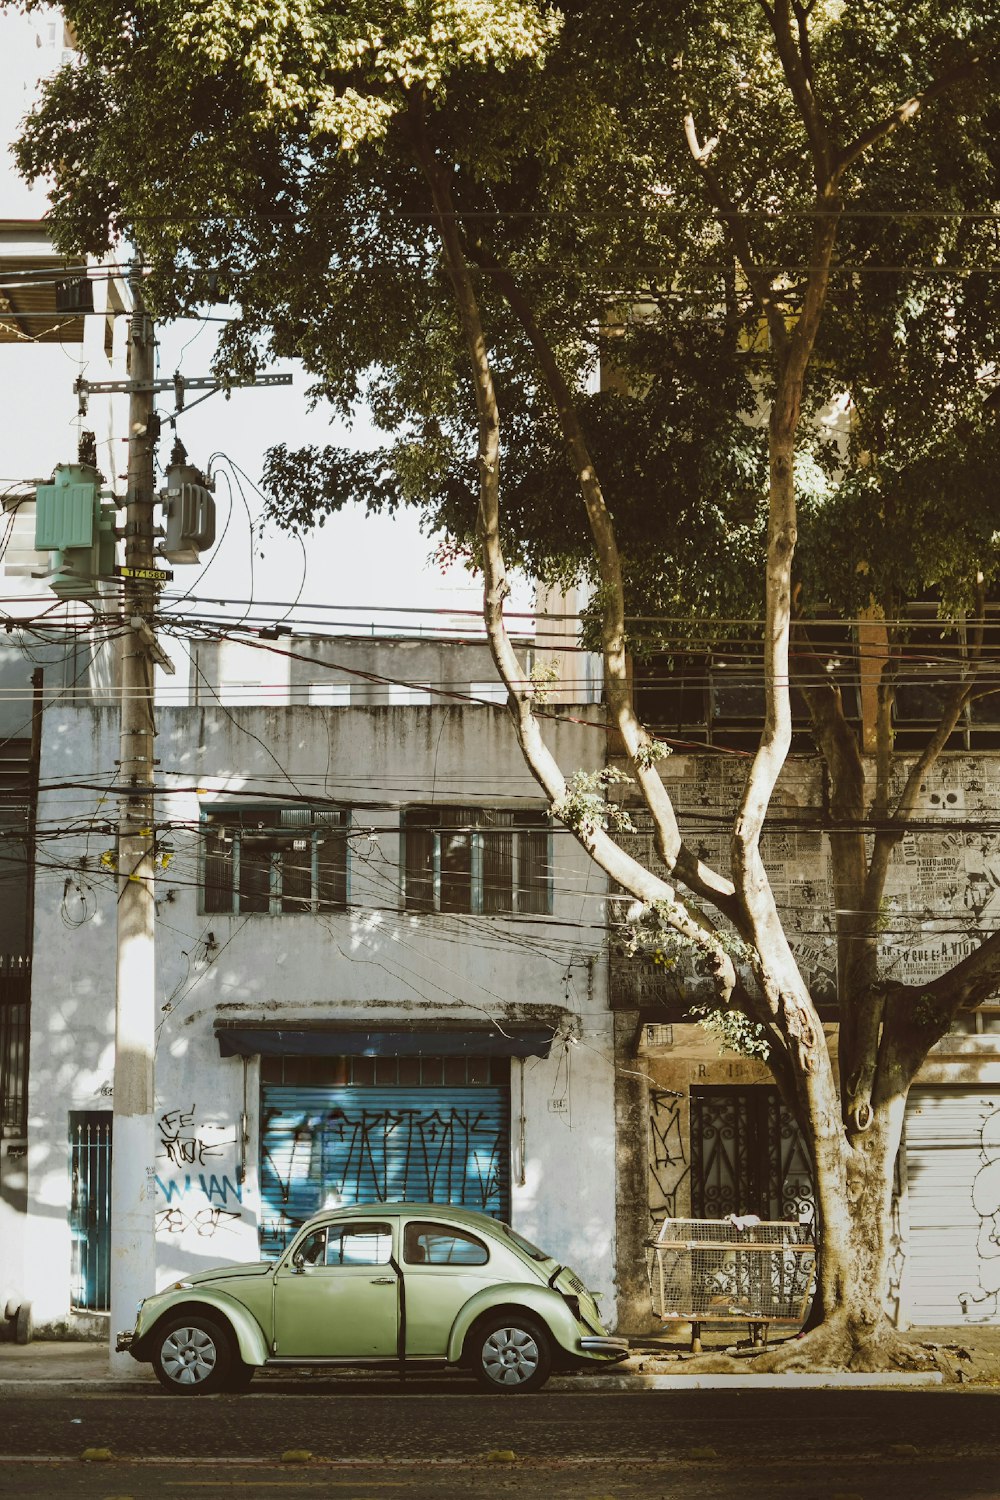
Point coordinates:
[(811, 1445)]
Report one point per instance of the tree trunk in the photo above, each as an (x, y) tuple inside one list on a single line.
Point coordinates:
[(856, 1221)]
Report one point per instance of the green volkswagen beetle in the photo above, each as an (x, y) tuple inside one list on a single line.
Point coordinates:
[(393, 1285)]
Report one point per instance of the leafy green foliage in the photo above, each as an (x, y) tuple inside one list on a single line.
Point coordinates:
[(734, 1031), (273, 145), (584, 806)]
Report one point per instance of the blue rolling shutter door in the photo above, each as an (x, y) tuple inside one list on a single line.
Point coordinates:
[(370, 1145)]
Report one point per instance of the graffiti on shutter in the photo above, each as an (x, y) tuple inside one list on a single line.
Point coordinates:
[(334, 1147)]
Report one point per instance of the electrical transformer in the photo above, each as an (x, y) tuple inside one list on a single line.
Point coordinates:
[(188, 514), (77, 531)]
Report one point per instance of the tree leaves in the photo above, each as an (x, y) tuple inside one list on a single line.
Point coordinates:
[(271, 144)]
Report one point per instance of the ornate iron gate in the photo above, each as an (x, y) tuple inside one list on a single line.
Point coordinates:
[(747, 1156), (90, 1209)]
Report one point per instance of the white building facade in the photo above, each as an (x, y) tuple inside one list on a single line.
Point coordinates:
[(381, 974)]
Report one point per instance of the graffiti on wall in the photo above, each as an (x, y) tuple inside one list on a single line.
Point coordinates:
[(943, 892), (986, 1202), (669, 1166), (185, 1142), (199, 1203), (206, 1185), (204, 1223)]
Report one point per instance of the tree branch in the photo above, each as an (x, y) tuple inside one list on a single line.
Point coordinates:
[(887, 840), (906, 113), (971, 981), (802, 14), (616, 863), (762, 288), (920, 1015), (676, 855), (797, 67)]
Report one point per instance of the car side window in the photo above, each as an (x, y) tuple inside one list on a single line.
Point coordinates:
[(442, 1245), (312, 1251), (359, 1245)]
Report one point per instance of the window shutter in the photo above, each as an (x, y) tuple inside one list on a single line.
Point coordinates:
[(533, 871), (218, 875), (331, 834), (419, 838), (498, 872)]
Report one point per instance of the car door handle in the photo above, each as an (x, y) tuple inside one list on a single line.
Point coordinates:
[(383, 1281)]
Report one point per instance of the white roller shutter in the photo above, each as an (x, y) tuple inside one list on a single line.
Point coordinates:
[(952, 1273)]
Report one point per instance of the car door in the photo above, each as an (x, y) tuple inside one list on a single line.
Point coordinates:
[(443, 1266), (337, 1296)]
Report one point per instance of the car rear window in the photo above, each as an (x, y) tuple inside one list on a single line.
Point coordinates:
[(427, 1244)]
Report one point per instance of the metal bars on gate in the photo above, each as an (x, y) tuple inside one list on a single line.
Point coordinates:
[(90, 1209), (731, 1270), (15, 973)]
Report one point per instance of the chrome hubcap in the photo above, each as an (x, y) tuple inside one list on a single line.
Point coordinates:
[(510, 1356), (188, 1355)]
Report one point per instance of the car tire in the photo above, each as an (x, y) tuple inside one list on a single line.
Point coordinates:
[(192, 1355), (510, 1355)]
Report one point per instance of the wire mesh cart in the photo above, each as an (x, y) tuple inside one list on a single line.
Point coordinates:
[(731, 1271)]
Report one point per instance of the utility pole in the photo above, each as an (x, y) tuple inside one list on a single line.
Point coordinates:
[(133, 1182), (133, 1156)]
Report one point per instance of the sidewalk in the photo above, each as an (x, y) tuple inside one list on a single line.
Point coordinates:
[(967, 1356)]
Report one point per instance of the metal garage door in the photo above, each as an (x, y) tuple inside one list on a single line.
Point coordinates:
[(352, 1144), (953, 1180)]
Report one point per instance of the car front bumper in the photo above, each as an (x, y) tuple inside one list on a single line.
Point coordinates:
[(124, 1342), (604, 1346)]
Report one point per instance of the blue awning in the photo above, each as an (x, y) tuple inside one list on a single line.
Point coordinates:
[(282, 1041)]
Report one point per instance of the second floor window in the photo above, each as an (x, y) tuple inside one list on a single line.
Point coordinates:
[(474, 859), (275, 860)]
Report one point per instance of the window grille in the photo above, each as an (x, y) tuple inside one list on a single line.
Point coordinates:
[(15, 978), (90, 1209), (480, 860), (274, 861)]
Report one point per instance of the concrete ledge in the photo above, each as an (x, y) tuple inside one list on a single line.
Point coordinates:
[(589, 1386), (829, 1380)]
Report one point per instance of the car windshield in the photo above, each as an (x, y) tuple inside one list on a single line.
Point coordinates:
[(525, 1245)]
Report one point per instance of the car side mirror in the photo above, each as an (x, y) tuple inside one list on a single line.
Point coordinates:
[(298, 1261)]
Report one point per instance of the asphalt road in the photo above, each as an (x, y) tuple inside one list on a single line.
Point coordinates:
[(707, 1445)]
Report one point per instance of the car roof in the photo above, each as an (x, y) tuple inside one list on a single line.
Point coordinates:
[(423, 1210)]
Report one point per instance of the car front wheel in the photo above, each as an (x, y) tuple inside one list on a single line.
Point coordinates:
[(192, 1356), (512, 1354)]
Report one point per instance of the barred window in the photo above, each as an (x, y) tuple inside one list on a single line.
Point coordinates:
[(275, 860), (474, 859)]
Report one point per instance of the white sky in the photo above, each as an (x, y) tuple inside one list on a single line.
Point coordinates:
[(353, 560)]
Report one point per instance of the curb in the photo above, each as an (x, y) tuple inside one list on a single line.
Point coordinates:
[(587, 1385), (105, 1385), (826, 1382)]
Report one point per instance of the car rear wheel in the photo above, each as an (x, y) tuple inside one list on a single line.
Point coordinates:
[(193, 1356), (511, 1354)]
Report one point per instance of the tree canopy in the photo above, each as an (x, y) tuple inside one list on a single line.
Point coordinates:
[(273, 149)]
